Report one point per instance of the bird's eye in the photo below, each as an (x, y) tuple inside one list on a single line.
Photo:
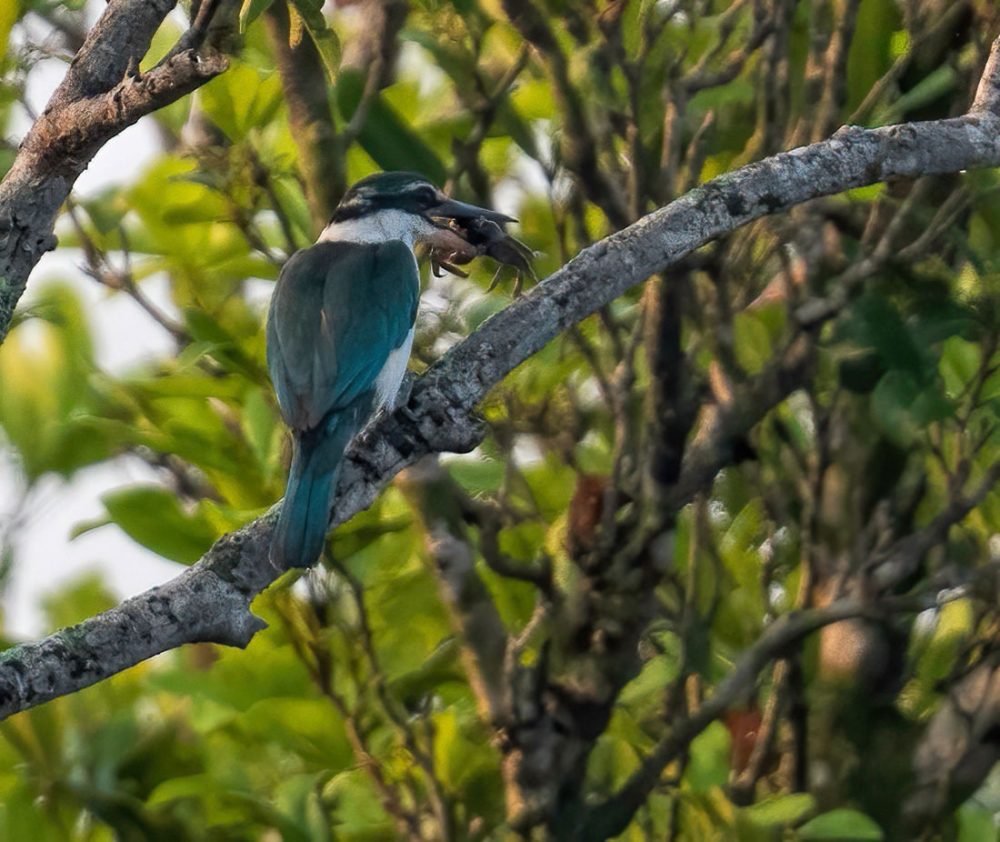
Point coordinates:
[(425, 195)]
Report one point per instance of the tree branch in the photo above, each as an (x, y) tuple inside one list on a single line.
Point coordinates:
[(580, 145), (304, 82), (430, 490), (210, 601), (101, 95), (905, 555), (612, 816), (959, 746)]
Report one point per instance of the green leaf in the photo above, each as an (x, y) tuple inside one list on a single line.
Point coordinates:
[(781, 810), (47, 375), (873, 322), (389, 139), (9, 13), (935, 657), (634, 22), (309, 727), (441, 667), (611, 763), (460, 752), (241, 99), (83, 597), (251, 10), (363, 530), (297, 797), (751, 342), (649, 685), (937, 84), (106, 210), (293, 204), (931, 405), (975, 824), (709, 763), (325, 39), (960, 361), (166, 196), (153, 517), (260, 426), (447, 55), (188, 786), (356, 808), (871, 55), (841, 825), (892, 401), (740, 541), (477, 475), (860, 372)]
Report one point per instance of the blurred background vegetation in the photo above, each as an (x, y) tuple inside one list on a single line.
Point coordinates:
[(357, 714)]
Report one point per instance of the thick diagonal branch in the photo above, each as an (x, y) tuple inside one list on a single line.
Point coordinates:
[(441, 413)]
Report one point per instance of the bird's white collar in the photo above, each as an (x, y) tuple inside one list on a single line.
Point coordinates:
[(380, 227)]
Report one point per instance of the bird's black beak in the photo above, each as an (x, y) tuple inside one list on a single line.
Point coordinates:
[(453, 209)]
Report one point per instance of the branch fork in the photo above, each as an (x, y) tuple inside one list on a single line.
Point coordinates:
[(211, 600)]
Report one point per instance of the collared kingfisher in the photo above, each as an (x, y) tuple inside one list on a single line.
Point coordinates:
[(339, 334)]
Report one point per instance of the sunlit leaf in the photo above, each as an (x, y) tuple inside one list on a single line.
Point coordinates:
[(841, 825), (241, 99), (391, 142), (251, 10), (153, 517), (327, 43), (781, 810), (708, 766)]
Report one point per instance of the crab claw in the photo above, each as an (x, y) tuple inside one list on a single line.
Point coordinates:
[(465, 238)]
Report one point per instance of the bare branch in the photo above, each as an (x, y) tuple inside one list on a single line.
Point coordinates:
[(101, 95), (945, 23), (210, 601), (423, 758), (987, 99), (304, 82), (160, 619), (612, 816), (903, 557), (723, 424), (99, 268), (959, 747), (429, 488), (580, 145)]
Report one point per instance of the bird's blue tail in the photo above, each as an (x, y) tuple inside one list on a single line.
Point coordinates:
[(305, 511)]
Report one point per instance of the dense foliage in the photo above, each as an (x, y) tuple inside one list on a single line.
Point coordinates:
[(851, 347)]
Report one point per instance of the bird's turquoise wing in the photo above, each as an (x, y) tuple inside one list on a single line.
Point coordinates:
[(337, 312)]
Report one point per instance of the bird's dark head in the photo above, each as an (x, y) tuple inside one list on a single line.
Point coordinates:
[(408, 192)]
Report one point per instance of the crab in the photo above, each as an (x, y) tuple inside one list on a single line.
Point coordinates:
[(465, 241)]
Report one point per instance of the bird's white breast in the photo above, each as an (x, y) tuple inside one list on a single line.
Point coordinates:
[(391, 376), (381, 227)]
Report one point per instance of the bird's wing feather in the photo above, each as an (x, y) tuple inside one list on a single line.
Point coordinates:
[(337, 312)]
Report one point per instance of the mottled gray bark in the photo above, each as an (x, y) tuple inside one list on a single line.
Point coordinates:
[(210, 601), (959, 748)]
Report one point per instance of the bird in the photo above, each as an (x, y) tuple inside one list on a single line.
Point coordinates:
[(339, 332)]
